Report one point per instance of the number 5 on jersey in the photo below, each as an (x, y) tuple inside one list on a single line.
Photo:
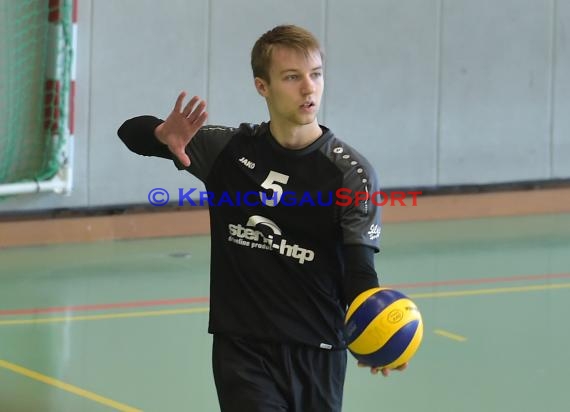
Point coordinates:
[(273, 181)]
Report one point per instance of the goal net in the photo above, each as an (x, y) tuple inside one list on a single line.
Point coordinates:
[(35, 82)]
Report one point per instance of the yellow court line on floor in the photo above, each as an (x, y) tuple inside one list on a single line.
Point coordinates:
[(106, 316), (450, 335), (456, 293), (67, 387)]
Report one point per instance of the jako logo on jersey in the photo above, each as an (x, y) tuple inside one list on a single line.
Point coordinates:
[(247, 163), (374, 232), (262, 233)]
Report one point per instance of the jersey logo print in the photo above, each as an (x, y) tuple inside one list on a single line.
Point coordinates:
[(262, 233), (374, 232), (256, 220), (247, 163)]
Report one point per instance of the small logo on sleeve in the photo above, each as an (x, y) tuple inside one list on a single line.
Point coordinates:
[(374, 232)]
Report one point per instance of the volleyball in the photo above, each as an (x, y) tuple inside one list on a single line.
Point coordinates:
[(384, 328)]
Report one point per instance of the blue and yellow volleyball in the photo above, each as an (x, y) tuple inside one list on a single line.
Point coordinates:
[(384, 328)]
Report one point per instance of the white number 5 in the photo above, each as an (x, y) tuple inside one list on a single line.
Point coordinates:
[(272, 182)]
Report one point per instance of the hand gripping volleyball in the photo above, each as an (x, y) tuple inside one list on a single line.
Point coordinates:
[(384, 328)]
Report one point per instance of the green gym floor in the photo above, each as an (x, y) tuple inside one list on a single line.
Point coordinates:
[(122, 325)]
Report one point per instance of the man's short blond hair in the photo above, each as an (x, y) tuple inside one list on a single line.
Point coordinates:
[(289, 36)]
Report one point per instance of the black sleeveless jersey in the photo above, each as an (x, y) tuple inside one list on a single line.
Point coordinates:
[(279, 218)]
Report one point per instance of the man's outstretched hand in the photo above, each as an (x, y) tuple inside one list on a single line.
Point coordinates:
[(181, 126)]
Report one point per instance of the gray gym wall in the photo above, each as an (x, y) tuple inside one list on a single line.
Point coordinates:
[(433, 92)]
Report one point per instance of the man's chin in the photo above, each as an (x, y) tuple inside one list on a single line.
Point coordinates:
[(306, 120)]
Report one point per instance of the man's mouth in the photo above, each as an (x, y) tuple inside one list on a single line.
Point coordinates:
[(307, 105)]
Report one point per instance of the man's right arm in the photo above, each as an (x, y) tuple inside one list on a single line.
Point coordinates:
[(138, 135), (175, 133), (182, 137)]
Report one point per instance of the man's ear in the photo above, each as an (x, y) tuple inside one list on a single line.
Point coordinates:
[(261, 86)]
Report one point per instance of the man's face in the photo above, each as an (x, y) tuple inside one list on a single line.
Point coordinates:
[(295, 88)]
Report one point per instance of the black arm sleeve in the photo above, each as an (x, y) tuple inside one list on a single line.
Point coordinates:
[(138, 135), (359, 272)]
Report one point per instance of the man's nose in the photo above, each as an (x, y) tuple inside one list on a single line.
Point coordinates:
[(308, 85)]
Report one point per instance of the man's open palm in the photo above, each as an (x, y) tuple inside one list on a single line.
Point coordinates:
[(181, 126)]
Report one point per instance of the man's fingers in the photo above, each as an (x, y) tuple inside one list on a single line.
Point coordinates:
[(183, 157), (196, 112), (180, 153), (402, 367), (384, 371), (179, 100), (373, 370), (199, 122), (185, 160), (190, 106)]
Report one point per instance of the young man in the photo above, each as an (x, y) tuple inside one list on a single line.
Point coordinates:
[(287, 256)]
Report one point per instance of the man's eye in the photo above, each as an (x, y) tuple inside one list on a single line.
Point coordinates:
[(291, 77)]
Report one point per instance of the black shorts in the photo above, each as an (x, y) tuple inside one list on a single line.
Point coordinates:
[(256, 376)]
